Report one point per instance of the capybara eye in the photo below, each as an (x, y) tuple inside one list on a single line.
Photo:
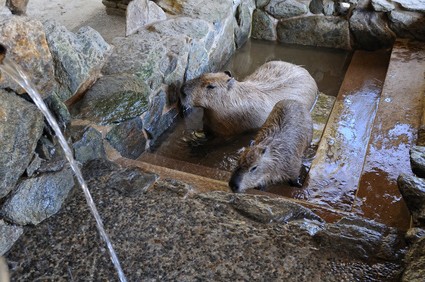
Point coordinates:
[(252, 169), (210, 86)]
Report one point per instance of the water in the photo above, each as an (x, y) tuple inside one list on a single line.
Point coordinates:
[(14, 71)]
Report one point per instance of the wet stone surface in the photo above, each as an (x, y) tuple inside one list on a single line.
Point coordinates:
[(167, 233)]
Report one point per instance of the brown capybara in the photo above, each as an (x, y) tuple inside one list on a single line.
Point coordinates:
[(232, 107), (276, 153)]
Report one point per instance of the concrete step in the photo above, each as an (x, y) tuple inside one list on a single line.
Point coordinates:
[(393, 133), (335, 171)]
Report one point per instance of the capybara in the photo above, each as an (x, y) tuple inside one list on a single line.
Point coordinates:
[(232, 107), (276, 153)]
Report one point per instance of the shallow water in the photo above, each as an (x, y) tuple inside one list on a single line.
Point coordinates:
[(16, 73)]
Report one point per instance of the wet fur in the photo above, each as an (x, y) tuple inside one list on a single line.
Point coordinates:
[(278, 148), (232, 107)]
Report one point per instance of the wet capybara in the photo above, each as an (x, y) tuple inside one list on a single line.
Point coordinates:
[(276, 153), (232, 107)]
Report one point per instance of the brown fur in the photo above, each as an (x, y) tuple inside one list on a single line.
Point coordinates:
[(277, 151), (231, 106)]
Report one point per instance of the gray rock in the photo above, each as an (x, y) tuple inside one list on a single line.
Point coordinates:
[(316, 6), (328, 8), (283, 9), (9, 234), (59, 110), (261, 3), (363, 239), (243, 18), (382, 5), (21, 125), (412, 5), (412, 189), (78, 57), (36, 199), (315, 31), (152, 118), (34, 165), (263, 26), (370, 30), (113, 99), (414, 234), (89, 147), (27, 47), (153, 57), (17, 7), (407, 24), (140, 13), (415, 263), (417, 160), (128, 138)]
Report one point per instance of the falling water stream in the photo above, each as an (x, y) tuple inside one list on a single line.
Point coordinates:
[(16, 73)]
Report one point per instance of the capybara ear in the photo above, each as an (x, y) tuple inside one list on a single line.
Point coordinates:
[(228, 73)]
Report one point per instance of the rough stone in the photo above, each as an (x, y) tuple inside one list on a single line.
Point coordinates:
[(78, 57), (407, 24), (417, 160), (329, 8), (243, 19), (38, 198), (21, 125), (34, 165), (17, 7), (113, 99), (320, 31), (9, 234), (263, 26), (140, 13), (316, 6), (128, 138), (59, 110), (153, 57), (89, 147), (415, 262), (382, 5), (152, 118), (412, 5), (173, 234), (414, 234), (370, 30), (412, 189), (27, 46), (283, 9)]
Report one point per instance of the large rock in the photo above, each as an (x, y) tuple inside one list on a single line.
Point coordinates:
[(9, 234), (408, 24), (113, 99), (78, 57), (382, 5), (283, 9), (243, 18), (38, 198), (140, 13), (153, 57), (21, 125), (89, 147), (263, 26), (417, 160), (412, 5), (320, 31), (27, 46), (412, 189), (415, 263), (370, 30), (128, 138)]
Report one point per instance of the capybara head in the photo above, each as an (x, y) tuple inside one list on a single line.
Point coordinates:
[(253, 170), (206, 89)]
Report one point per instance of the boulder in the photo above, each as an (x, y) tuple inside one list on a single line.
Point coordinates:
[(21, 125), (140, 13), (128, 138), (27, 47), (315, 30), (417, 160), (382, 5), (78, 57), (242, 24), (283, 9), (36, 199), (263, 26), (89, 147), (9, 234), (370, 30), (412, 189), (408, 24), (316, 6), (412, 5), (113, 99)]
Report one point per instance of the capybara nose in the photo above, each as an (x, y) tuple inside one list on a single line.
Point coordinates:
[(235, 180)]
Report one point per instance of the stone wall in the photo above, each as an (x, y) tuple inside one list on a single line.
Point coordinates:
[(346, 24)]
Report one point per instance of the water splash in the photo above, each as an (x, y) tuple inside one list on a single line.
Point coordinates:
[(16, 73)]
